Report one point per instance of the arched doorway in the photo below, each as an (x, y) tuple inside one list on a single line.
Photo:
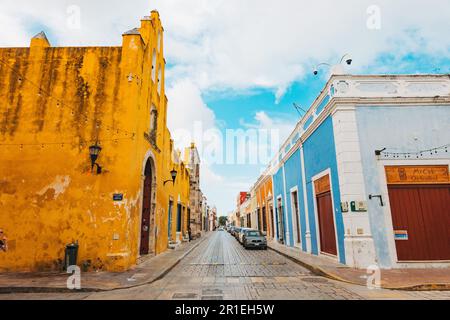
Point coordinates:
[(147, 221)]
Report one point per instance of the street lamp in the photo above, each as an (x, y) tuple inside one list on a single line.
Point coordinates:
[(337, 68), (173, 174), (94, 152)]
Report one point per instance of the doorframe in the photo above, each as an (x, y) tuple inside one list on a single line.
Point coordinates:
[(170, 219), (153, 229), (271, 222), (316, 215), (280, 224), (297, 218), (387, 213)]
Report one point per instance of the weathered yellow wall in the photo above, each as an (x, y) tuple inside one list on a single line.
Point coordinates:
[(55, 103)]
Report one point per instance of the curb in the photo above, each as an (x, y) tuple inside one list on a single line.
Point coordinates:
[(162, 274), (321, 272)]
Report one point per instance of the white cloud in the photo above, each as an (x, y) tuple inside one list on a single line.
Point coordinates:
[(264, 43), (186, 107), (238, 44)]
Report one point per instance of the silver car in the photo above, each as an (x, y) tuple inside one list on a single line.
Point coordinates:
[(241, 234), (254, 239)]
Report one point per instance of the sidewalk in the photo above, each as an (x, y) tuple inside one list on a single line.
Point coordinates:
[(144, 273), (394, 279)]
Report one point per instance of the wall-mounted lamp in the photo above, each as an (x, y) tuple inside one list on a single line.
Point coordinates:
[(371, 196), (378, 152), (94, 151), (173, 174)]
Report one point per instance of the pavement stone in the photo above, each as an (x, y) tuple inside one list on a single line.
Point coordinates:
[(220, 268)]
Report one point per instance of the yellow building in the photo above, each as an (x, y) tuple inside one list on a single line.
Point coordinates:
[(56, 103)]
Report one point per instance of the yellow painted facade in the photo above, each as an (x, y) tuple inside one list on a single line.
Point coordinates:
[(55, 102)]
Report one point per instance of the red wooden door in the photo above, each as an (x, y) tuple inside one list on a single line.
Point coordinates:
[(145, 224), (326, 224), (423, 211)]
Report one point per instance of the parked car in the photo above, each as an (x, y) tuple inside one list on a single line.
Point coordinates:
[(236, 232), (241, 234), (254, 239)]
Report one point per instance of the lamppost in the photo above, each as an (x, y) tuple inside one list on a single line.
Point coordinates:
[(337, 68)]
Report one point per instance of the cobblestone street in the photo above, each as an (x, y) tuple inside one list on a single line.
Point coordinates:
[(221, 268)]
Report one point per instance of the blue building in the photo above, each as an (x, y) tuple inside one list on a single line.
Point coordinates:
[(367, 162)]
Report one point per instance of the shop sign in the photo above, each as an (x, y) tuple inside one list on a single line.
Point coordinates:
[(417, 174)]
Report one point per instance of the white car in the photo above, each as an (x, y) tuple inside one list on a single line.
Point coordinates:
[(241, 234)]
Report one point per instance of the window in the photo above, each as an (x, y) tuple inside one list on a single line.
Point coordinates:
[(159, 40), (160, 83), (154, 66), (253, 233), (153, 125)]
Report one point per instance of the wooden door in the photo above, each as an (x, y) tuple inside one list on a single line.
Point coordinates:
[(264, 219), (421, 219), (272, 227), (145, 223), (326, 223)]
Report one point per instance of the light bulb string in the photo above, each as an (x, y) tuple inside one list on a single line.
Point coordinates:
[(62, 143), (415, 153)]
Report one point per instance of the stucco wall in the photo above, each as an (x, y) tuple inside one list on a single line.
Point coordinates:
[(55, 103), (293, 174), (278, 190), (320, 155), (398, 129)]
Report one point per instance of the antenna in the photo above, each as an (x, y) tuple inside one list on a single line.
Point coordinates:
[(298, 108)]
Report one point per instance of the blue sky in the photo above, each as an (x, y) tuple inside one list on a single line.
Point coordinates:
[(236, 64), (235, 108)]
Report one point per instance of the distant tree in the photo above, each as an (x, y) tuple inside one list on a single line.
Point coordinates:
[(223, 221)]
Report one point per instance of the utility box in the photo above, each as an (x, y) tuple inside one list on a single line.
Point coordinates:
[(358, 206)]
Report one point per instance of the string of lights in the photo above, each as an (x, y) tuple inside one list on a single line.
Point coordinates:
[(66, 142), (59, 102), (416, 154)]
